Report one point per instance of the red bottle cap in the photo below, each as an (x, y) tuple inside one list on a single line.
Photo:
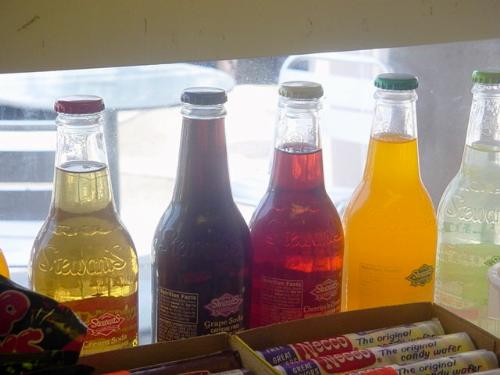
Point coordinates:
[(79, 104)]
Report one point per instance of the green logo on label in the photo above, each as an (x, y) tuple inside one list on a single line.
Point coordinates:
[(421, 276)]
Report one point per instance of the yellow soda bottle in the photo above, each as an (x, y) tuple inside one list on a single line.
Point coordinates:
[(390, 225), (4, 269), (83, 256)]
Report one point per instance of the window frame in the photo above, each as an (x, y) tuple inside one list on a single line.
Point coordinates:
[(67, 34)]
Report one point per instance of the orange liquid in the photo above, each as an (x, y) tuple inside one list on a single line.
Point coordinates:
[(390, 230), (4, 270)]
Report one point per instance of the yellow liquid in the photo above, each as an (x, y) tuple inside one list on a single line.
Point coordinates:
[(390, 230), (4, 269), (84, 257)]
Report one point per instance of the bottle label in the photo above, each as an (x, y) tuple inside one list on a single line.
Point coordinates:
[(182, 315), (404, 283), (421, 275), (325, 291), (111, 321), (284, 299), (177, 314), (224, 306)]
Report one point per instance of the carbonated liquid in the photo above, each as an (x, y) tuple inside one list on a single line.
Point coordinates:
[(297, 241), (390, 229), (469, 235), (84, 257)]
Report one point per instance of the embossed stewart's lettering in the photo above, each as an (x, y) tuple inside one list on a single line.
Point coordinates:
[(457, 208), (108, 262)]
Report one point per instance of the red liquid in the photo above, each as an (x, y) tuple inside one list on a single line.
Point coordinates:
[(297, 242)]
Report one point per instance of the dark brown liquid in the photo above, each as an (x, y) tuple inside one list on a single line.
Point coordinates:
[(202, 244)]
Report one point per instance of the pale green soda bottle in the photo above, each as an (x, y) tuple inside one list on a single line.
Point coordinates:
[(469, 214)]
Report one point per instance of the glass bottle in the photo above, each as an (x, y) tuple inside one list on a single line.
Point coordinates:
[(296, 231), (389, 223), (469, 213), (201, 246), (4, 269), (83, 256)]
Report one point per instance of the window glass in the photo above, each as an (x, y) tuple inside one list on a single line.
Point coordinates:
[(144, 135)]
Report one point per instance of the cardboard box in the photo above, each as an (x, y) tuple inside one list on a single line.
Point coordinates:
[(164, 352), (285, 333), (354, 321)]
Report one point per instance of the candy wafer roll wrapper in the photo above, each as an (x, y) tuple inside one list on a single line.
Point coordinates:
[(380, 356), (463, 363), (351, 341)]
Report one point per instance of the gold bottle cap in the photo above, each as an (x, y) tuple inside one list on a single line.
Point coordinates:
[(301, 90)]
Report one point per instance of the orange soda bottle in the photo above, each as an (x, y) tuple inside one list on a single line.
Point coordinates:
[(390, 225), (4, 269)]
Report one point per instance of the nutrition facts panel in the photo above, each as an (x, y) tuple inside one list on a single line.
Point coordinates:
[(178, 314)]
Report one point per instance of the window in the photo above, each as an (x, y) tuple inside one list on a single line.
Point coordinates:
[(144, 145)]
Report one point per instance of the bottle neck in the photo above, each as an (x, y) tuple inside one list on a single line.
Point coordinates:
[(393, 149), (298, 160), (484, 120), (81, 182), (482, 145), (202, 174), (395, 114)]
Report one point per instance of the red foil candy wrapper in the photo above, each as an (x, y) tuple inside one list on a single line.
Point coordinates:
[(35, 331)]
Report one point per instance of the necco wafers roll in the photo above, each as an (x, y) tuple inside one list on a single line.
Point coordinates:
[(351, 341), (380, 356), (463, 363)]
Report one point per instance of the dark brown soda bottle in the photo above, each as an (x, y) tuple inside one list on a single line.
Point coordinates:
[(296, 232), (202, 243)]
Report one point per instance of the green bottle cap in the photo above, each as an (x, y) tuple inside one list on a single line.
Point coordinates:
[(491, 77), (301, 90), (396, 81)]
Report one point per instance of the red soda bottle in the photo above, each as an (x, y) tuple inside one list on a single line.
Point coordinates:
[(296, 231)]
